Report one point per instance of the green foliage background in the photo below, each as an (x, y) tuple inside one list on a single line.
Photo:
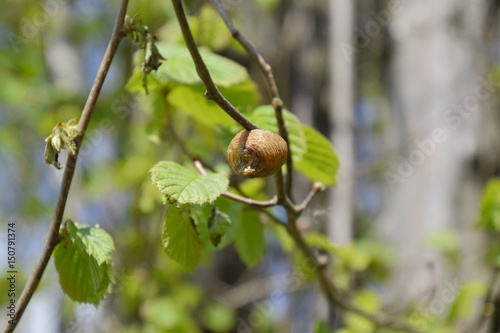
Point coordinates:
[(178, 250)]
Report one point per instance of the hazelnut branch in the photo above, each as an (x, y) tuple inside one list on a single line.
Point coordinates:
[(212, 92), (283, 189), (53, 233), (271, 86)]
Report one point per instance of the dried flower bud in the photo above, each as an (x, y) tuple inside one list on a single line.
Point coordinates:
[(257, 153)]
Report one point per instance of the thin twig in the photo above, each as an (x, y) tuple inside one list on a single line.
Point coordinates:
[(212, 92), (53, 233), (251, 202), (316, 188), (272, 88)]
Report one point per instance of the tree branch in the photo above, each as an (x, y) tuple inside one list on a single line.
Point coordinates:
[(53, 233), (334, 295), (251, 202), (212, 92), (283, 188), (272, 88), (316, 188)]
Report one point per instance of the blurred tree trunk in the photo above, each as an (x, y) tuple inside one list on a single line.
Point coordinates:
[(341, 100), (341, 112), (437, 89)]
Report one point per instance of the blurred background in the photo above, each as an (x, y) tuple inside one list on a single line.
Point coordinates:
[(406, 90)]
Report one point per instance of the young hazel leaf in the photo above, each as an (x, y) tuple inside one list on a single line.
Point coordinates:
[(179, 238), (191, 100), (489, 214), (319, 162), (180, 66), (83, 261), (249, 240), (184, 186), (96, 242)]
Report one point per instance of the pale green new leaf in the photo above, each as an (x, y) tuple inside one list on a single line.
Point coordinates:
[(321, 327), (249, 240), (191, 100), (96, 242), (489, 215), (179, 66), (179, 238), (185, 186), (264, 116), (463, 305), (319, 162), (81, 277)]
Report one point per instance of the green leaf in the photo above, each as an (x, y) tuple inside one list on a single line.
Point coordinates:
[(234, 211), (321, 241), (264, 116), (96, 242), (218, 318), (321, 327), (445, 240), (249, 240), (179, 238), (180, 68), (191, 100), (489, 214), (463, 306), (84, 266), (163, 312), (268, 5), (184, 186), (213, 33), (319, 162), (217, 226)]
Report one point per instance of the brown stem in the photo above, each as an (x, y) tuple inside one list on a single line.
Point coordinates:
[(251, 202), (316, 188), (53, 233), (212, 92), (272, 88)]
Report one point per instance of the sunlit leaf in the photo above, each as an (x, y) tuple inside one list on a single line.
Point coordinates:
[(179, 238), (191, 100), (489, 214), (82, 259), (180, 68), (463, 306), (182, 185), (319, 162), (95, 241), (218, 318), (213, 33)]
